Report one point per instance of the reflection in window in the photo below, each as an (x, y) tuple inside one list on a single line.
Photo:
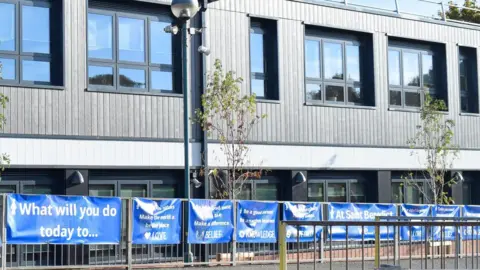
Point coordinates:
[(160, 43), (7, 29), (162, 81), (7, 69), (334, 93), (316, 192), (245, 192), (468, 80), (333, 60), (337, 192), (36, 71), (333, 68), (256, 51), (411, 69), (102, 190), (355, 95), (357, 192), (312, 59), (314, 92), (427, 71), (266, 192), (132, 78), (35, 29), (100, 36), (118, 57), (163, 191), (413, 99), (353, 63), (394, 67), (100, 75), (131, 39), (411, 192), (258, 87), (411, 73)]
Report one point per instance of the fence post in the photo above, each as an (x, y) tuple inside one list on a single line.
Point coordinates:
[(397, 245), (283, 245), (4, 234), (377, 243), (129, 232), (234, 237)]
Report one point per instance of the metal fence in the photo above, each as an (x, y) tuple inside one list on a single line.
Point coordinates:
[(425, 252), (324, 250)]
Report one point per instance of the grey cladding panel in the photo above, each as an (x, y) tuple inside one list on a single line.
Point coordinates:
[(292, 121)]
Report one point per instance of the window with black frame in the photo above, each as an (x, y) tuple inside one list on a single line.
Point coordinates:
[(263, 59), (130, 52), (260, 189), (336, 190), (31, 42), (410, 191), (467, 61), (414, 69), (338, 67)]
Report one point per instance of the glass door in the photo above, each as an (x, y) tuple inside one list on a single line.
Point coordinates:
[(131, 190), (316, 192), (337, 192), (100, 252)]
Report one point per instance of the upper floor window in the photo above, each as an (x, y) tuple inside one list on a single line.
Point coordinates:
[(30, 54), (468, 79), (263, 59), (338, 67), (413, 70), (130, 52)]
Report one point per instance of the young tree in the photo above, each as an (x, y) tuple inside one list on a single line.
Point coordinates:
[(463, 14), (4, 158), (230, 116), (436, 151)]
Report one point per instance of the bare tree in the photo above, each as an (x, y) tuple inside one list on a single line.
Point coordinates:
[(433, 144), (230, 116)]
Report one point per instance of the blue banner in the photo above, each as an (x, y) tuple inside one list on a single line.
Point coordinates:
[(39, 219), (302, 212), (471, 232), (359, 212), (210, 222), (257, 222), (450, 211), (156, 222), (413, 210)]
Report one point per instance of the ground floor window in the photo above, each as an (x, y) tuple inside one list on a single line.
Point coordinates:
[(265, 189), (410, 191), (336, 190)]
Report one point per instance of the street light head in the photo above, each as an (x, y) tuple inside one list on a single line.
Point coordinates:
[(185, 9)]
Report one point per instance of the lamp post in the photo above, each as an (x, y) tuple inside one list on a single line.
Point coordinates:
[(184, 10)]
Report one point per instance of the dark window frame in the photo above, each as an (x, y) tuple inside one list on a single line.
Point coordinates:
[(362, 40), (420, 48), (55, 57), (325, 181), (403, 182), (116, 64), (263, 180), (269, 29), (469, 56)]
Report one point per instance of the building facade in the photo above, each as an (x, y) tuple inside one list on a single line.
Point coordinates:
[(95, 88)]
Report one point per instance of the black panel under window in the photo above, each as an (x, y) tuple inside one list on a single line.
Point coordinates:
[(468, 79), (264, 59), (414, 69), (339, 67)]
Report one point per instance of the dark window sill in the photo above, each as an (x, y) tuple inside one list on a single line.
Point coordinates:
[(36, 86), (126, 92), (333, 105), (470, 114), (271, 101)]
